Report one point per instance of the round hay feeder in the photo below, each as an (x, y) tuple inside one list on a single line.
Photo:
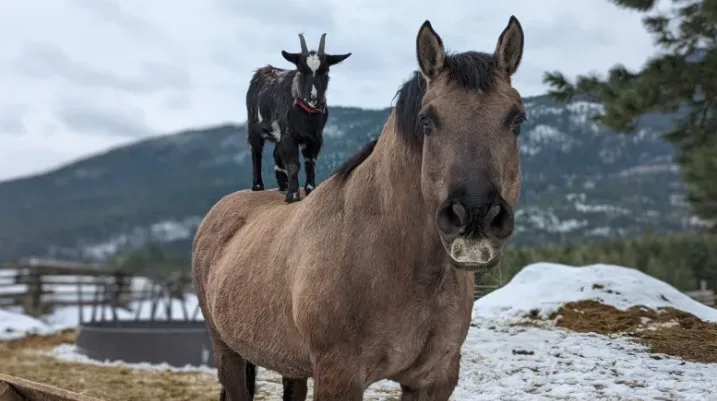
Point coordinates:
[(162, 326)]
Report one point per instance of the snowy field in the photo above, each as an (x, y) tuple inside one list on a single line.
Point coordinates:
[(514, 351)]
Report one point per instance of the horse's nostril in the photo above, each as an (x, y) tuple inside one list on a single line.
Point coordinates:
[(452, 218), (499, 220)]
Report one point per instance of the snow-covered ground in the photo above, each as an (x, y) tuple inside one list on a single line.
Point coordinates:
[(504, 361)]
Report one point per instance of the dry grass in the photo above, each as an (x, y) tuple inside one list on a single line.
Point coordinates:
[(20, 358)]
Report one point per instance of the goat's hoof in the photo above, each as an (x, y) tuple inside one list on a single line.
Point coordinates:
[(292, 197), (257, 187), (308, 188)]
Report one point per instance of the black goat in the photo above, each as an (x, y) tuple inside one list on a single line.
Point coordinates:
[(288, 108)]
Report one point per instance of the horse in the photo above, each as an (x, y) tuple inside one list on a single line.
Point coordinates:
[(288, 108), (372, 276)]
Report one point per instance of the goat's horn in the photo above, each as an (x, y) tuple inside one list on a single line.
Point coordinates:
[(322, 42), (304, 49)]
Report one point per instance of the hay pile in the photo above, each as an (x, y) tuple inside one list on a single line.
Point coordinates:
[(664, 330)]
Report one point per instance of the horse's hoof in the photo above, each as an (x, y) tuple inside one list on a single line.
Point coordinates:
[(257, 188), (292, 197)]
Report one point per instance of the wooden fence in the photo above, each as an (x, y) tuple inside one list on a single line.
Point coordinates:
[(36, 287), (703, 295)]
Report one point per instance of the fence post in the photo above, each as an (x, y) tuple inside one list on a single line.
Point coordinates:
[(33, 301), (121, 286)]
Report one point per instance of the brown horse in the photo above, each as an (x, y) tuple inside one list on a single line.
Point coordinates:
[(372, 276)]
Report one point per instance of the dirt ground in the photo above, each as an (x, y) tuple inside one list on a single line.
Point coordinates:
[(19, 358), (665, 331)]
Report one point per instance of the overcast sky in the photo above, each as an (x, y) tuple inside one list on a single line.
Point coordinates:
[(81, 76)]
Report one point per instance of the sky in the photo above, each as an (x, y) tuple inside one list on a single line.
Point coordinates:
[(78, 77)]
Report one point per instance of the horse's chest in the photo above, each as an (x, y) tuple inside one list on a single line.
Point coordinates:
[(428, 349)]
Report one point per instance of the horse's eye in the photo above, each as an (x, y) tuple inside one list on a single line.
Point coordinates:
[(426, 122), (518, 122)]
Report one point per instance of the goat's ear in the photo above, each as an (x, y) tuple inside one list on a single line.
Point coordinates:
[(291, 57), (430, 52), (336, 58), (509, 49)]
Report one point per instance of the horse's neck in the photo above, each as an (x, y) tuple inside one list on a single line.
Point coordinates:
[(389, 183)]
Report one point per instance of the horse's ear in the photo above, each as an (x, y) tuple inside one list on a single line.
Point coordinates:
[(291, 57), (509, 50), (336, 58), (430, 52)]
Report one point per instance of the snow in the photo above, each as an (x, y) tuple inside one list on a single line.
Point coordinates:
[(504, 361), (68, 317), (15, 325), (545, 287), (507, 362)]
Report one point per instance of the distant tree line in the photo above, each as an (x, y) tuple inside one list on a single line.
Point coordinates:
[(681, 260), (153, 257)]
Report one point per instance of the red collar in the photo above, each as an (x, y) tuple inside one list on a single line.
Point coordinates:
[(307, 108)]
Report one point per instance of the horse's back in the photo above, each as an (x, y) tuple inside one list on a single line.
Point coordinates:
[(226, 218)]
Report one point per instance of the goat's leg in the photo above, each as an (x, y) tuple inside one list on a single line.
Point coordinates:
[(289, 153), (280, 171), (310, 151), (256, 143)]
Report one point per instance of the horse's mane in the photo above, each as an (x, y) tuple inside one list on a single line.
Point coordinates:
[(354, 160), (469, 70)]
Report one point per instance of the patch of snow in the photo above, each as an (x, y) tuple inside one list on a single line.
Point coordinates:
[(600, 231), (16, 325), (547, 220), (545, 287), (70, 353), (332, 130), (161, 231), (502, 362), (68, 317)]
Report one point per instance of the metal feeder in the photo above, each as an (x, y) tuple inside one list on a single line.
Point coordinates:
[(176, 341)]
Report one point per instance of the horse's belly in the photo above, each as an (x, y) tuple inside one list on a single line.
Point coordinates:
[(255, 321)]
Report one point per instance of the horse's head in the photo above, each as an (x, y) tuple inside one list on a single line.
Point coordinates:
[(470, 118), (313, 71)]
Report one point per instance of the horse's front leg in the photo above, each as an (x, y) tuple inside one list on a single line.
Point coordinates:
[(294, 389), (432, 392), (289, 153), (337, 379), (438, 390)]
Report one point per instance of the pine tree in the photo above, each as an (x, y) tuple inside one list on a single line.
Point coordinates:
[(680, 80)]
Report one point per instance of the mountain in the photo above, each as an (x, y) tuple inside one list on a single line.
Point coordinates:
[(580, 183)]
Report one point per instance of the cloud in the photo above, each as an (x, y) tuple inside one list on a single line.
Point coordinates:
[(104, 72), (12, 119), (93, 120)]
